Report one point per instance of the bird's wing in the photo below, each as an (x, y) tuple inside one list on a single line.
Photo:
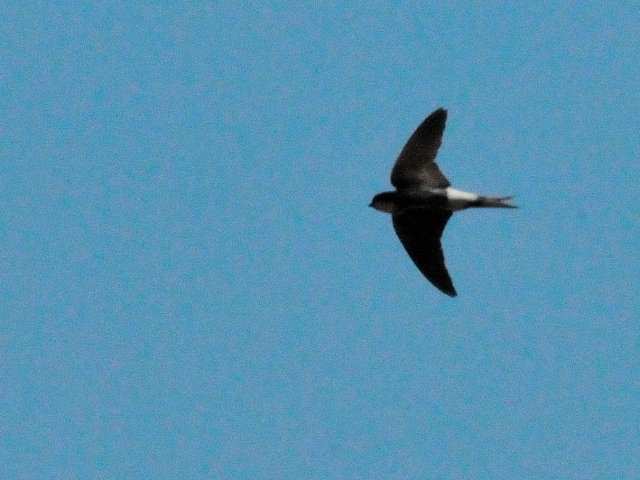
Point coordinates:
[(419, 231), (415, 164)]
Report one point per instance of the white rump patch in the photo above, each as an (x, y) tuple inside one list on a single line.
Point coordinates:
[(459, 200), (454, 195)]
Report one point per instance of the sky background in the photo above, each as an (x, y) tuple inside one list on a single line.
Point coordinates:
[(192, 284)]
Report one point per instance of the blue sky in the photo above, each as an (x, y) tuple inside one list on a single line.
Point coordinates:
[(193, 286)]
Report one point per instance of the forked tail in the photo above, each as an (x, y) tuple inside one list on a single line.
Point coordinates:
[(495, 202)]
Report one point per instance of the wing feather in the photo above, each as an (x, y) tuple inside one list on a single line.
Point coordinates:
[(415, 164), (420, 231)]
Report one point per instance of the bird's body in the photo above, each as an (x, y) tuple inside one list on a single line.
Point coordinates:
[(424, 201)]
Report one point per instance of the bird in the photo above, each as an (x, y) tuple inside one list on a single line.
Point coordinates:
[(423, 201)]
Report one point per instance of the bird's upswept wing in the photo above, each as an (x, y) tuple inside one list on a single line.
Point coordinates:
[(415, 165), (419, 231)]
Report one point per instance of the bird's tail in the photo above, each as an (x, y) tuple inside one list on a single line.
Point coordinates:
[(495, 202)]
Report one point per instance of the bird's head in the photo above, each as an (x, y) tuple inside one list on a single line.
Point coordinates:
[(385, 202)]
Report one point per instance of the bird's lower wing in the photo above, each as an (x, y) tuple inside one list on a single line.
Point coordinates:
[(419, 231)]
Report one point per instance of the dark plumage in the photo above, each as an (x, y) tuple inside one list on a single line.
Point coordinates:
[(423, 201)]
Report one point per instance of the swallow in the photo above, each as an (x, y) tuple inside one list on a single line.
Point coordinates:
[(423, 201)]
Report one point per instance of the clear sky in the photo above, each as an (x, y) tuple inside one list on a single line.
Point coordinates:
[(192, 284)]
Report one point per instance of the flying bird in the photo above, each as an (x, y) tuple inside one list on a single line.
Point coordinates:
[(423, 201)]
